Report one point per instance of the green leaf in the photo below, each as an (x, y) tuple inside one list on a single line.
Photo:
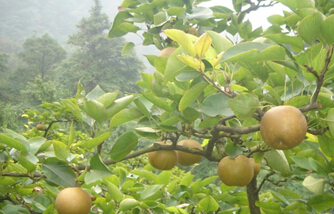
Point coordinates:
[(28, 161), (95, 93), (253, 52), (315, 185), (187, 179), (321, 202), (295, 5), (208, 122), (149, 191), (273, 93), (128, 27), (279, 197), (269, 207), (330, 121), (244, 105), (11, 142), (176, 11), (89, 144), (202, 45), (190, 114), (10, 208), (95, 110), (318, 167), (159, 18), (108, 98), (73, 108), (145, 174), (61, 150), (309, 28), (219, 42), (164, 177), (174, 66), (98, 170), (123, 146), (199, 14), (216, 105), (128, 49), (71, 135), (147, 132), (326, 145), (295, 42), (208, 180), (58, 172), (142, 105), (232, 149), (182, 39), (118, 20), (128, 204), (277, 160), (113, 191), (327, 29), (207, 204), (302, 162), (124, 116), (35, 144), (157, 101), (191, 95), (118, 105)]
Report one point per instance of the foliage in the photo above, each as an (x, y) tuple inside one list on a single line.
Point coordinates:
[(97, 60), (211, 89)]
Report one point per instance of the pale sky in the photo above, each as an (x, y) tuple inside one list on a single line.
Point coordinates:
[(257, 18)]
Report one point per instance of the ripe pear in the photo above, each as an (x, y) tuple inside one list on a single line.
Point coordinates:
[(257, 166), (187, 159), (163, 159), (235, 172), (73, 200), (167, 51), (40, 127), (283, 127)]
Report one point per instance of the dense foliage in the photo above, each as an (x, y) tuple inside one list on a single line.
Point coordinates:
[(210, 89)]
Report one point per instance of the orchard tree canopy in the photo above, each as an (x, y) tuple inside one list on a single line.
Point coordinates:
[(207, 88)]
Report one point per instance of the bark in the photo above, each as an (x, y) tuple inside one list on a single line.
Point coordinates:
[(253, 196)]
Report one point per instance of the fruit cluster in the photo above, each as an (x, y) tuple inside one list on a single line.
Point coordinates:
[(167, 159)]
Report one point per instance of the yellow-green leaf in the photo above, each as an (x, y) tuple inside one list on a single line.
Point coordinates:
[(202, 45), (192, 62), (315, 185), (182, 39)]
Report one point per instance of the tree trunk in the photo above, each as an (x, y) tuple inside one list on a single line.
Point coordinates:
[(253, 196)]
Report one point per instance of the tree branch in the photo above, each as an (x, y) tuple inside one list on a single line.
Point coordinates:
[(320, 78), (266, 178), (239, 130)]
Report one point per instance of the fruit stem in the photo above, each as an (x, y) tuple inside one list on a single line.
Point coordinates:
[(253, 196)]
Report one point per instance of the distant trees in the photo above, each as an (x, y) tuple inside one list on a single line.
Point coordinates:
[(42, 55), (97, 58)]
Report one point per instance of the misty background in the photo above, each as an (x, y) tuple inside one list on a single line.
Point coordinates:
[(20, 20)]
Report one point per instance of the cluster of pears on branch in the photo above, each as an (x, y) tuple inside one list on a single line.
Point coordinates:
[(282, 127)]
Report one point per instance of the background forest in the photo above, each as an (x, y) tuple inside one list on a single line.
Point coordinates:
[(46, 47)]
